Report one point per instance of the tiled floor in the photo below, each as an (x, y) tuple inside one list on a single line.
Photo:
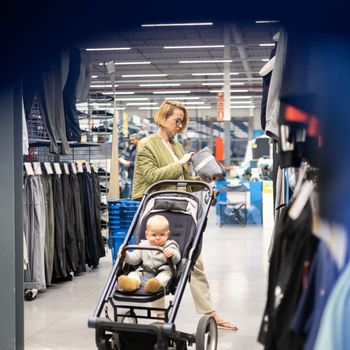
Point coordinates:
[(236, 266)]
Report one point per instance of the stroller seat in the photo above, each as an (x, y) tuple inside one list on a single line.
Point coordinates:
[(182, 216)]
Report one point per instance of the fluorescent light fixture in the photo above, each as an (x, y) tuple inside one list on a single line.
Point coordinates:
[(172, 92), (234, 90), (181, 98), (127, 63), (272, 44), (103, 85), (240, 102), (94, 76), (120, 93), (265, 60), (221, 84), (194, 47), (239, 97), (143, 75), (200, 74), (267, 21), (198, 107), (193, 103), (207, 61), (159, 84), (241, 107), (141, 103), (132, 99), (148, 108), (109, 49), (177, 24)]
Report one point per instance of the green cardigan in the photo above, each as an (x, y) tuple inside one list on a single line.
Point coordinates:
[(154, 163)]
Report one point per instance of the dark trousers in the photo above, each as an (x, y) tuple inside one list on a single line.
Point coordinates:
[(70, 96), (48, 85), (97, 206)]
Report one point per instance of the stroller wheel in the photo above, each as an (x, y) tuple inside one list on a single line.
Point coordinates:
[(207, 334)]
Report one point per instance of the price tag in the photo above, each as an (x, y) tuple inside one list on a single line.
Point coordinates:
[(57, 168), (29, 168), (66, 169), (74, 168), (48, 168), (37, 168), (80, 168), (88, 168)]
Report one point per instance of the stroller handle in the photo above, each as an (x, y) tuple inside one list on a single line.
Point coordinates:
[(127, 247), (180, 183)]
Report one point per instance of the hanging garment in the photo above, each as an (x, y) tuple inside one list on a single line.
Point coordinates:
[(49, 227), (73, 131), (79, 223), (34, 230), (293, 247), (84, 81), (334, 328), (70, 234), (60, 260)]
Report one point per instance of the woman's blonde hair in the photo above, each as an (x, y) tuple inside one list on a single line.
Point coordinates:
[(166, 109)]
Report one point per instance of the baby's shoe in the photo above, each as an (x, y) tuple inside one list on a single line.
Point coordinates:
[(152, 285), (128, 284)]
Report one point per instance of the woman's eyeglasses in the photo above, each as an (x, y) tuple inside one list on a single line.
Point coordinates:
[(179, 121)]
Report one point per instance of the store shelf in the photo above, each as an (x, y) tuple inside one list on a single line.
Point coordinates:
[(46, 143)]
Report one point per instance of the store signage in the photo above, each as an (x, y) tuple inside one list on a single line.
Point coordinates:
[(220, 108), (48, 168)]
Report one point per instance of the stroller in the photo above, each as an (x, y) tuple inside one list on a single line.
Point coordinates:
[(117, 314)]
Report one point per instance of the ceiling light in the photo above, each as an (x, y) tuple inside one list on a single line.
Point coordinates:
[(239, 102), (132, 99), (172, 92), (207, 61), (194, 47), (267, 21), (240, 97), (141, 103), (177, 24), (265, 60), (109, 49), (103, 85), (160, 84), (127, 63), (94, 76), (198, 107), (148, 108), (143, 75), (221, 84), (272, 44), (181, 98), (200, 74), (120, 93), (240, 107), (234, 90), (194, 103)]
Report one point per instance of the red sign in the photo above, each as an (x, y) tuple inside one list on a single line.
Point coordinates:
[(220, 112)]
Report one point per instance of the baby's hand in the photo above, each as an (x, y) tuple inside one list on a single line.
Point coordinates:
[(168, 253)]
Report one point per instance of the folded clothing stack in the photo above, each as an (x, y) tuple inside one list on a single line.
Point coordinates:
[(206, 166)]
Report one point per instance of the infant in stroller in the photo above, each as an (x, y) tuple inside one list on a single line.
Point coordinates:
[(154, 271)]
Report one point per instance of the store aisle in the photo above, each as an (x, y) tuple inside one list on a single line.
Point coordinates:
[(235, 261)]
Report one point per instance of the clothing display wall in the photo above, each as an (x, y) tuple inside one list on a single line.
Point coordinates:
[(61, 225)]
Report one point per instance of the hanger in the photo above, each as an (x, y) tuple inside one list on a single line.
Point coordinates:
[(268, 67)]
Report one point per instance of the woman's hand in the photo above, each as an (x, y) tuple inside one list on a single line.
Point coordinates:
[(186, 158)]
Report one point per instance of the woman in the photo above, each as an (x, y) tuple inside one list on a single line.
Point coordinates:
[(160, 157)]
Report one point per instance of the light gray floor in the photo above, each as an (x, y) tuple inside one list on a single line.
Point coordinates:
[(236, 266)]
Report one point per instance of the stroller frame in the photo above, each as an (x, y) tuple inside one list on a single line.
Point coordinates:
[(164, 333)]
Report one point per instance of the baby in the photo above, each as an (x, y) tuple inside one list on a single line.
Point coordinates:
[(154, 272)]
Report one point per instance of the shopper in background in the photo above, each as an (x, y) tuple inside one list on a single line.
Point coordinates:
[(130, 161), (160, 157)]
